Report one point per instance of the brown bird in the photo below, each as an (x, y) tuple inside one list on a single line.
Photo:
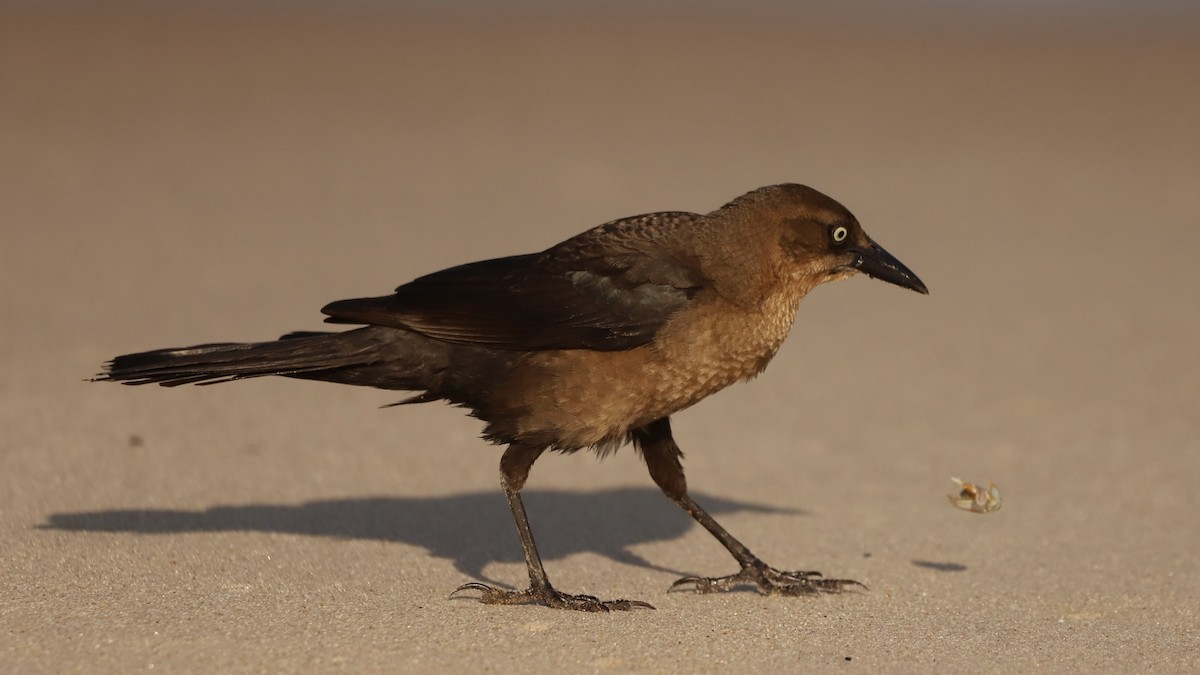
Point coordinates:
[(591, 343)]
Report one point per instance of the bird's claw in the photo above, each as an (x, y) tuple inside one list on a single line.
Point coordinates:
[(769, 581), (550, 597)]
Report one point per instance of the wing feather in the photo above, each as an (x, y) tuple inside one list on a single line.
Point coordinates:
[(610, 288)]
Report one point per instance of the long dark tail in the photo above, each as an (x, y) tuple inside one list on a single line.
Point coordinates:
[(389, 360)]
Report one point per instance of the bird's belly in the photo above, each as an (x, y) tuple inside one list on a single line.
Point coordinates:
[(578, 398)]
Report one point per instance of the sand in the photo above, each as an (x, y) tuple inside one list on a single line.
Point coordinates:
[(177, 176)]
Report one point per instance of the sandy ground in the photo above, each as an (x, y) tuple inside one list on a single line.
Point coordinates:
[(176, 177)]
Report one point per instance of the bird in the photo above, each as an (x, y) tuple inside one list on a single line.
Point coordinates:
[(593, 343)]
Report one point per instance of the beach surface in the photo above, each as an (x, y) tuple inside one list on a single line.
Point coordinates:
[(176, 176)]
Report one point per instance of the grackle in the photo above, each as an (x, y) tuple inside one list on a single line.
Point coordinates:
[(591, 343)]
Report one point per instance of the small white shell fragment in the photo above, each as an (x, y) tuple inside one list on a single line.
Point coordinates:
[(975, 499)]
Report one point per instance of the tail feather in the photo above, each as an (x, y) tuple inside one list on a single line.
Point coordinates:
[(296, 354)]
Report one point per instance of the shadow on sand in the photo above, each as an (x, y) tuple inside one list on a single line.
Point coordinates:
[(472, 529), (940, 566)]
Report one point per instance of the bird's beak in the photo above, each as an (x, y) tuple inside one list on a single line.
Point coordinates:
[(877, 263)]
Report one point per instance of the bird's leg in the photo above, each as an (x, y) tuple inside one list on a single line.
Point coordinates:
[(514, 469), (662, 457)]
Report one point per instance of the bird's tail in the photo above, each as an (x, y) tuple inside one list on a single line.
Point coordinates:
[(302, 355)]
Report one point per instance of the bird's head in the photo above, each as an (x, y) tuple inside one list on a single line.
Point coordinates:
[(825, 241)]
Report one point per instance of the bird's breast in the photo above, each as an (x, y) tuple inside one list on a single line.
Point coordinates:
[(582, 398), (721, 343)]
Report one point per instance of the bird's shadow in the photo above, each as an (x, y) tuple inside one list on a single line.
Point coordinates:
[(473, 529)]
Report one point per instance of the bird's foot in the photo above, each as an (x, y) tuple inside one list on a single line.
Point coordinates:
[(549, 597), (768, 581)]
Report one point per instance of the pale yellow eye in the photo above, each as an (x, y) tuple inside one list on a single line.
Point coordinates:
[(840, 233)]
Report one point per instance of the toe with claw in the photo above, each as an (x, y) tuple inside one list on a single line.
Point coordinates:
[(768, 581), (549, 597)]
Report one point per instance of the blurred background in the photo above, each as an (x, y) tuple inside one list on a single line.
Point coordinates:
[(219, 170), (174, 173)]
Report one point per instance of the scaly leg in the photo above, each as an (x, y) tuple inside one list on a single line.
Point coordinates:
[(514, 470), (662, 457)]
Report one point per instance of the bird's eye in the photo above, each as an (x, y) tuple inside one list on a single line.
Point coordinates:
[(840, 233)]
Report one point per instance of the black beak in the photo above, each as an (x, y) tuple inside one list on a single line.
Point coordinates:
[(877, 263)]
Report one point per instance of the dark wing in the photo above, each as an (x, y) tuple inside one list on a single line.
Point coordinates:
[(610, 288)]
